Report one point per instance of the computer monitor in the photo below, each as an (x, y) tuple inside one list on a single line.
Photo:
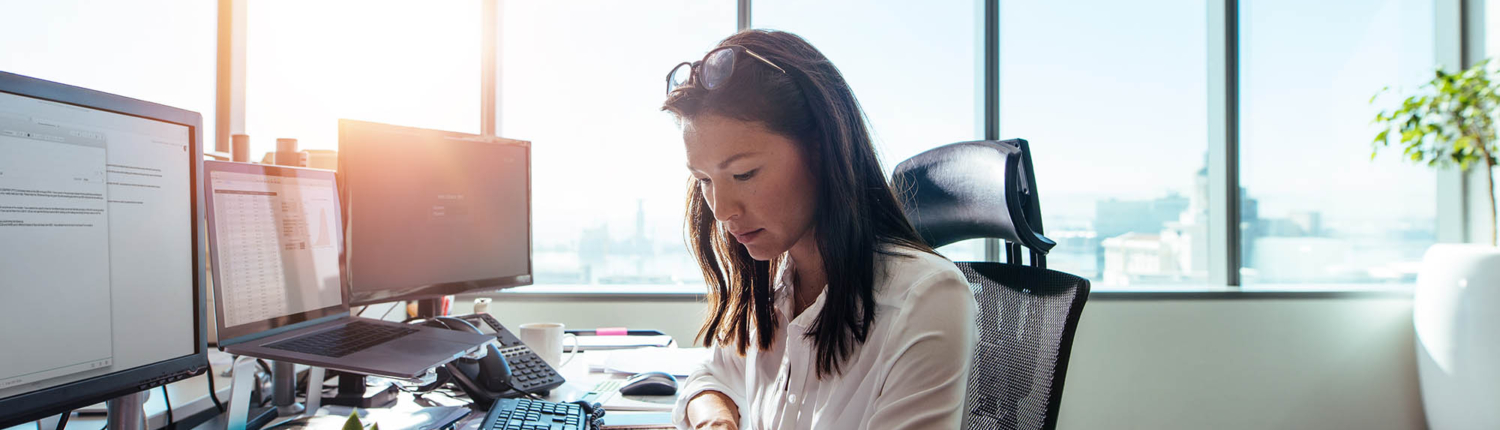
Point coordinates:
[(99, 256), (275, 248), (431, 213)]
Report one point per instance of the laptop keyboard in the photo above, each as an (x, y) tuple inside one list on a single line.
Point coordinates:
[(342, 341)]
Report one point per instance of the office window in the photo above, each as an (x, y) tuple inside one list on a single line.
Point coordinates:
[(584, 82), (162, 51), (1112, 97), (913, 65), (1492, 50), (1315, 208), (310, 63)]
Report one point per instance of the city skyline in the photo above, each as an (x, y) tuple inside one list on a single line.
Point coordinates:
[(1127, 243)]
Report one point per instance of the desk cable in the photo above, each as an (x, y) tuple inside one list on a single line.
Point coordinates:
[(62, 422), (388, 311), (213, 393), (168, 399), (264, 366)]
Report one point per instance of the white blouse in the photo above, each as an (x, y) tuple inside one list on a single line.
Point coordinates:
[(910, 373)]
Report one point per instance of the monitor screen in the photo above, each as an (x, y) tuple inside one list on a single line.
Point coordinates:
[(98, 263), (275, 242), (433, 213)]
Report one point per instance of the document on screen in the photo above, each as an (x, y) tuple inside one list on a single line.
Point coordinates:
[(54, 252)]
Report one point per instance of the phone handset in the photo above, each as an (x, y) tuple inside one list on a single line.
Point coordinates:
[(509, 370)]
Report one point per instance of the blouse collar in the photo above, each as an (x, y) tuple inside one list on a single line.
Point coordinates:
[(784, 297)]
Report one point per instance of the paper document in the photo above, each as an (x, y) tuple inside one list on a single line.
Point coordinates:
[(638, 420), (679, 362), (592, 343), (613, 400), (418, 419)]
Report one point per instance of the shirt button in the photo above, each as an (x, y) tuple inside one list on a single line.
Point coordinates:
[(791, 398)]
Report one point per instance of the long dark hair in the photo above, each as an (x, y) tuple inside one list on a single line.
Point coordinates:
[(856, 214)]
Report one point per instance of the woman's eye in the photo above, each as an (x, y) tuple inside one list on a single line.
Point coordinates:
[(746, 176)]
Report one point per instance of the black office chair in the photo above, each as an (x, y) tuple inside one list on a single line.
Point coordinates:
[(1027, 314)]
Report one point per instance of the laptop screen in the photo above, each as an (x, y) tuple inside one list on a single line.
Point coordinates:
[(275, 238)]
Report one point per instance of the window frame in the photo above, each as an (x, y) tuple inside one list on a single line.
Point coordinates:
[(1459, 42)]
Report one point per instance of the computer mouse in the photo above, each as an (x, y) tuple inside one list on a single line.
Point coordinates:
[(650, 384)]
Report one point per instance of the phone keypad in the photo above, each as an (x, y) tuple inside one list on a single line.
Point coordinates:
[(529, 370)]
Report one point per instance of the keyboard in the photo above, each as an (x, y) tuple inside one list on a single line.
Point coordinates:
[(527, 414), (344, 340)]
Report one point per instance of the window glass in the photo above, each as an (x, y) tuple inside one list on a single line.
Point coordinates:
[(1112, 97), (914, 66), (161, 51), (584, 82), (1315, 207), (312, 62)]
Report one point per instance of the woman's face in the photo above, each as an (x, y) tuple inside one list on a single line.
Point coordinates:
[(755, 181)]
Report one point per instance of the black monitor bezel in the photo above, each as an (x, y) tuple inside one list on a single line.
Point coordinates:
[(31, 406), (437, 290), (265, 328)]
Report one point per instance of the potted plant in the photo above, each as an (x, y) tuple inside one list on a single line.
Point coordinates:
[(353, 423), (1451, 121)]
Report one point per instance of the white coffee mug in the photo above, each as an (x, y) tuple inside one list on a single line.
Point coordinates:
[(547, 340)]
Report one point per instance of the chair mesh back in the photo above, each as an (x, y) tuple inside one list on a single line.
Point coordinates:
[(1026, 321)]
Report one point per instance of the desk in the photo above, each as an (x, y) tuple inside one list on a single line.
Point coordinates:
[(190, 396)]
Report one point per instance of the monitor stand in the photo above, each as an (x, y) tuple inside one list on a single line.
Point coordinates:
[(284, 388), (240, 413), (428, 308), (354, 393), (126, 412)]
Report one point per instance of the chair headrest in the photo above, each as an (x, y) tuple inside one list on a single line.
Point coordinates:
[(970, 190)]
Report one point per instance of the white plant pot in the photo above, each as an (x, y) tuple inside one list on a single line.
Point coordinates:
[(1456, 313)]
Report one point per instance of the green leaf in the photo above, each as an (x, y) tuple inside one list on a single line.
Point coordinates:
[(1452, 119), (353, 422)]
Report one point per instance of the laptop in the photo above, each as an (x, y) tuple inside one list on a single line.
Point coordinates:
[(276, 241)]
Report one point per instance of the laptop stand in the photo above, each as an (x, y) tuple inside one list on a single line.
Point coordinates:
[(239, 415)]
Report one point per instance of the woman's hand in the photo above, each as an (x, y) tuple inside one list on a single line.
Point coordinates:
[(712, 410)]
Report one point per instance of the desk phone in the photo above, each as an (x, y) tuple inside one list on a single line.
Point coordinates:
[(528, 371)]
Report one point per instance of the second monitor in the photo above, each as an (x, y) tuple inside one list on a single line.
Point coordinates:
[(432, 213)]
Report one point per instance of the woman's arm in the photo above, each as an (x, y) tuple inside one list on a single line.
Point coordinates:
[(932, 348), (711, 396), (713, 410)]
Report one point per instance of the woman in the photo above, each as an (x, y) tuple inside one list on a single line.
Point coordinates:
[(863, 326)]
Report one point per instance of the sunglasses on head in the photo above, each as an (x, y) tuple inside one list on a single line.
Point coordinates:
[(714, 70)]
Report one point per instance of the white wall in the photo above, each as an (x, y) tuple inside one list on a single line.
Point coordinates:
[(1345, 363), (1319, 363)]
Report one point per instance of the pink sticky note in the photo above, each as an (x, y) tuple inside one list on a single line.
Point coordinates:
[(611, 331)]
